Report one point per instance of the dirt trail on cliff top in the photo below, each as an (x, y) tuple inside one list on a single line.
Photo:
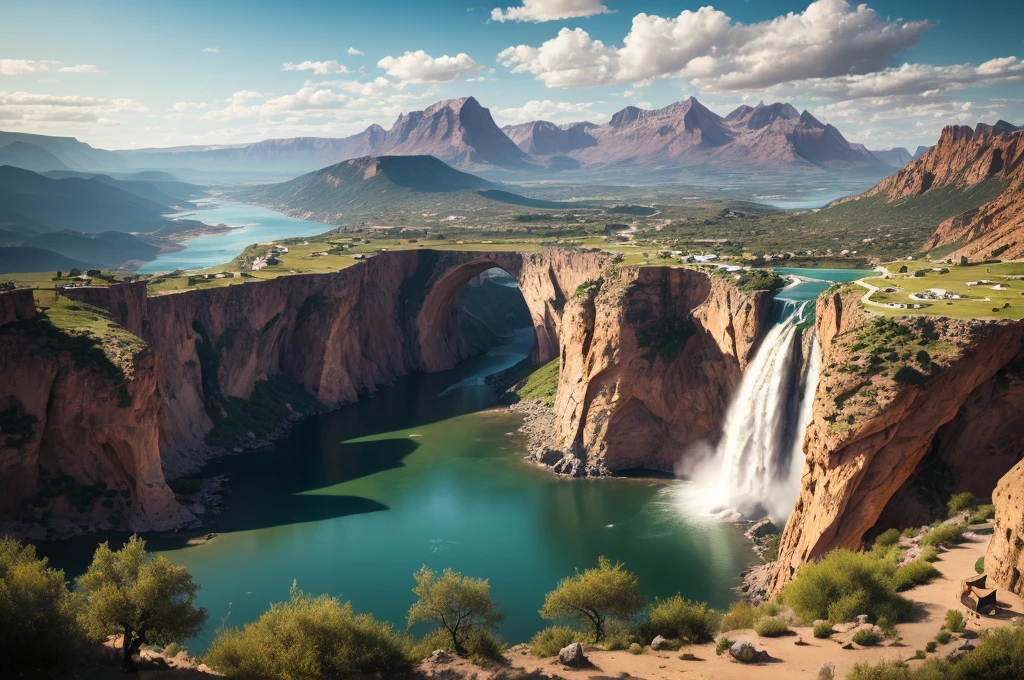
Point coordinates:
[(803, 661)]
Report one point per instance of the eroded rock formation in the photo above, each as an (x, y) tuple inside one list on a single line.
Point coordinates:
[(649, 360), (1005, 559), (886, 389)]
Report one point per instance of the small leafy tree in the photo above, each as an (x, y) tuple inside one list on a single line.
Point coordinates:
[(593, 595), (460, 604), (38, 620), (142, 597)]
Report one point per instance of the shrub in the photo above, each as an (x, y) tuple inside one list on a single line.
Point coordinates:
[(551, 640), (772, 626), (172, 650), (955, 621), (38, 622), (484, 645), (593, 595), (723, 645), (999, 655), (931, 646), (944, 637), (929, 554), (844, 584), (823, 630), (636, 649), (944, 536), (866, 638), (887, 539), (920, 654), (617, 635), (983, 514), (677, 618), (887, 670), (979, 566), (742, 616), (913, 574), (961, 502), (309, 637)]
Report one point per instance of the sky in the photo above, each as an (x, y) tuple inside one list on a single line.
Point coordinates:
[(120, 74)]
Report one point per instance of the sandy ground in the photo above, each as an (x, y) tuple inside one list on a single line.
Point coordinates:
[(792, 661)]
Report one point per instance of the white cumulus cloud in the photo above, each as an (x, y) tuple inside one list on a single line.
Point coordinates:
[(420, 67), (549, 10), (80, 68), (354, 52), (321, 68), (555, 112), (20, 67), (212, 50), (39, 111), (185, 106), (830, 38)]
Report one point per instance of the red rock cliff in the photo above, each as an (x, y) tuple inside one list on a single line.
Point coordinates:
[(878, 411), (1005, 559), (648, 363)]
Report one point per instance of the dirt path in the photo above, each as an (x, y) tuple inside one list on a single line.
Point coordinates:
[(793, 661)]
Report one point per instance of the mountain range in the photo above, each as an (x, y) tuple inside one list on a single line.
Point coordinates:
[(461, 132)]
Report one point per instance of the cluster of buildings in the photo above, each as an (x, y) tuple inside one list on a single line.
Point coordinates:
[(268, 258)]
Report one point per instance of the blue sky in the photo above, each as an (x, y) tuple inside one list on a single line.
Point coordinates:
[(136, 74)]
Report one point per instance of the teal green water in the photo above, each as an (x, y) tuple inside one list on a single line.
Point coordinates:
[(353, 502)]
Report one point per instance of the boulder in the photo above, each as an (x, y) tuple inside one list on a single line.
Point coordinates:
[(572, 656), (440, 656), (744, 652), (862, 619), (827, 671), (658, 642), (762, 528)]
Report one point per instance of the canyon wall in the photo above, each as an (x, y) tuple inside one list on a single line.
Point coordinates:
[(649, 360), (886, 390), (336, 335), (79, 436)]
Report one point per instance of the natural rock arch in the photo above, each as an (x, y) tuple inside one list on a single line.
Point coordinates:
[(546, 279)]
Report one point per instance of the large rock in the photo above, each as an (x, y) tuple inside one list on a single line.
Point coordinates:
[(1005, 559), (827, 671), (745, 652), (572, 656), (658, 642)]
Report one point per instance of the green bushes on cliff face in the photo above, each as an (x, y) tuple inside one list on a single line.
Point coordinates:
[(541, 385), (38, 614)]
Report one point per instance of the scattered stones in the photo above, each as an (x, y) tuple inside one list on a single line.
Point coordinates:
[(827, 671), (573, 656), (440, 656)]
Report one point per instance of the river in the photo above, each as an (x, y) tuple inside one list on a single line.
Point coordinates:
[(429, 471), (253, 225)]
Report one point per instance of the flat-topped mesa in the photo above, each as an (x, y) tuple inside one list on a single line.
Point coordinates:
[(895, 397), (650, 357)]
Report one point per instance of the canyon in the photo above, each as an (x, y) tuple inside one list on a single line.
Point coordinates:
[(650, 358)]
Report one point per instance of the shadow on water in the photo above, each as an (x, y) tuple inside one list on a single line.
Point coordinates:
[(277, 486)]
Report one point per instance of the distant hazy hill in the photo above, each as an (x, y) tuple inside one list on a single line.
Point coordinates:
[(170, 194), (76, 203), (365, 184), (69, 151), (895, 157), (109, 249), (29, 157), (17, 259)]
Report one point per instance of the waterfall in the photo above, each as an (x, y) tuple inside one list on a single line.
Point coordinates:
[(756, 467)]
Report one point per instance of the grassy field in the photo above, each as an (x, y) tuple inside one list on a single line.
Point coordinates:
[(1007, 303), (542, 384)]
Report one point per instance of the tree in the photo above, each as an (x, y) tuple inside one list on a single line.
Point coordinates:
[(75, 271), (60, 274), (459, 603), (594, 595), (38, 620), (144, 598)]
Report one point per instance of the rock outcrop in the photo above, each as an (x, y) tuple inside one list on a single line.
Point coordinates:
[(79, 436), (1005, 559), (963, 158), (649, 359), (886, 389)]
